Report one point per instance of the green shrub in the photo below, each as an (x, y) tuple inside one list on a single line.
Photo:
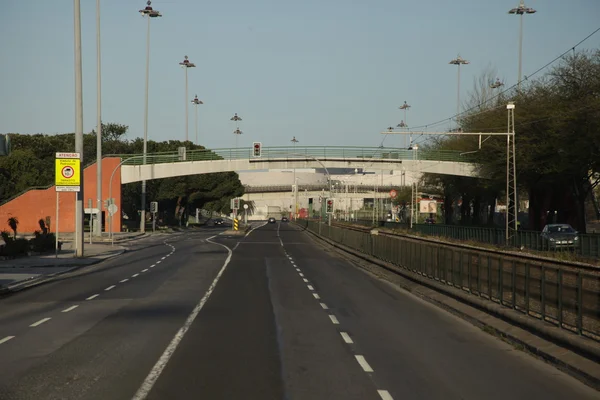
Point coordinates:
[(42, 242), (15, 247)]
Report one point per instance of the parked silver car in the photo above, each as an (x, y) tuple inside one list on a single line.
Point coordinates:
[(560, 236)]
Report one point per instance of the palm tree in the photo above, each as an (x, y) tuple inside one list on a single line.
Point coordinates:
[(13, 222)]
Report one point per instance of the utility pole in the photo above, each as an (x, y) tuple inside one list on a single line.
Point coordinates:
[(511, 167), (98, 227), (79, 239)]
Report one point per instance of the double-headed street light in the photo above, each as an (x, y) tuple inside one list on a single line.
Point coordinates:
[(237, 131), (294, 141), (458, 61), (404, 123), (521, 10), (186, 64), (148, 12), (197, 102)]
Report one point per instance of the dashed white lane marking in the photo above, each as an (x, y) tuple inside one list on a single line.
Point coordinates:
[(385, 395), (163, 258), (363, 363), (6, 339), (305, 280), (158, 262), (110, 288), (316, 296), (301, 274), (310, 287), (93, 297), (298, 269), (38, 323), (124, 280), (145, 270), (346, 337), (153, 265), (160, 365), (70, 308), (324, 306), (134, 275), (334, 319)]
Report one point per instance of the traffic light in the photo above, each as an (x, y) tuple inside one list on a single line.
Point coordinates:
[(153, 206), (257, 152), (329, 208), (236, 204)]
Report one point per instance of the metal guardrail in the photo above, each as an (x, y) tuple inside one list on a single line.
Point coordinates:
[(365, 154), (568, 298), (317, 188)]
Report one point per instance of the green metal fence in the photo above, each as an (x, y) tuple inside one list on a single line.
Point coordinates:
[(289, 152), (567, 298), (588, 244)]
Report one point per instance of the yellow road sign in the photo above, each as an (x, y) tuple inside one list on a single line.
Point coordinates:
[(67, 171)]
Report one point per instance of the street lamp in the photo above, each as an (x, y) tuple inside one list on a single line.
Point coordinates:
[(403, 124), (237, 131), (186, 64), (521, 10), (98, 228), (148, 12), (78, 125), (294, 141), (197, 102), (458, 61)]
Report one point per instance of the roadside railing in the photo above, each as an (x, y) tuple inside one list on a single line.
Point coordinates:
[(566, 297)]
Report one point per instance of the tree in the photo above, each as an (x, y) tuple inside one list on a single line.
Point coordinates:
[(13, 222)]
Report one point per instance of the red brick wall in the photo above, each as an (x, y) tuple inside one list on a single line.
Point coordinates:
[(34, 205)]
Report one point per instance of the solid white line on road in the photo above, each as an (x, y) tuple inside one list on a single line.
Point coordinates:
[(110, 288), (316, 296), (145, 270), (334, 319), (364, 364), (310, 287), (6, 339), (41, 321), (385, 395), (93, 297), (346, 337), (305, 280), (160, 365), (70, 308), (324, 306), (134, 275), (124, 280)]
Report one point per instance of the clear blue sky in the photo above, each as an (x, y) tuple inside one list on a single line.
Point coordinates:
[(329, 72)]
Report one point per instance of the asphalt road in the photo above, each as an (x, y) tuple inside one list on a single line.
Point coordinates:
[(268, 316)]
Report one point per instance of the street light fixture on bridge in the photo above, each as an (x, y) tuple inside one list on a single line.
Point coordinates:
[(186, 64), (294, 141), (196, 102), (458, 61), (404, 123), (521, 10), (148, 12)]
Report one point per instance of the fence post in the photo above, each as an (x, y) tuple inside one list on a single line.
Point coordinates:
[(579, 303), (527, 291), (514, 284), (489, 277), (543, 294), (500, 280), (560, 305)]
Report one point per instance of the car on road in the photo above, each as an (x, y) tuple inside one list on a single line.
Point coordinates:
[(284, 219), (219, 221), (272, 220), (560, 236)]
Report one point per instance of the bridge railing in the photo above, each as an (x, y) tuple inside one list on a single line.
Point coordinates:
[(365, 154)]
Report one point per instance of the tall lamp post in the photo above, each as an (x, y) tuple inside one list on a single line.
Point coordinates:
[(148, 12), (404, 123), (186, 64), (78, 125), (458, 61), (196, 102), (237, 131), (294, 141), (98, 227), (520, 10)]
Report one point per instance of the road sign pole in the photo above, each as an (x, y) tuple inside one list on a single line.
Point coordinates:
[(56, 223)]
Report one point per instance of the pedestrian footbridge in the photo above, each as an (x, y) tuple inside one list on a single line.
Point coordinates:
[(192, 162)]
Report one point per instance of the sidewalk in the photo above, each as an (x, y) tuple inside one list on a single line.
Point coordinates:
[(18, 273)]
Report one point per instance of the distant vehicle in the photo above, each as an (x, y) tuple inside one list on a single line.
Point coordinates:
[(272, 220), (219, 221), (560, 236), (284, 219)]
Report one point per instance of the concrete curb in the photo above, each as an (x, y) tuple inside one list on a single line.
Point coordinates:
[(45, 278), (587, 349)]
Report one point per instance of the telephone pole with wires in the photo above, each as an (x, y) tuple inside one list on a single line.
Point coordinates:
[(511, 167)]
